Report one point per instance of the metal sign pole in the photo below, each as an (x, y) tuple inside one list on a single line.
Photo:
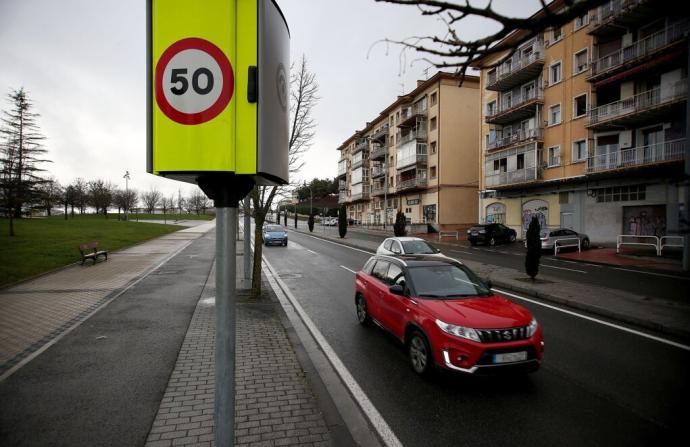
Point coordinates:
[(225, 325), (247, 239)]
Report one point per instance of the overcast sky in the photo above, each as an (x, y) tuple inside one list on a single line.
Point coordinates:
[(83, 64)]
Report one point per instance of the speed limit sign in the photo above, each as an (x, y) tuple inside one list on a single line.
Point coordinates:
[(194, 81)]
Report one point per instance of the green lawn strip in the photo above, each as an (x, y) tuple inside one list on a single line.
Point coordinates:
[(44, 244), (171, 217)]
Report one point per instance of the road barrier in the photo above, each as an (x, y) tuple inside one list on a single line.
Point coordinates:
[(556, 246), (447, 233), (673, 243)]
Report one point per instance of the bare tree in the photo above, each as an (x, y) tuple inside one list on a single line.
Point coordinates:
[(66, 199), (21, 152), (167, 204), (101, 195), (50, 193), (197, 202), (80, 195), (452, 51), (151, 199), (180, 201), (303, 98)]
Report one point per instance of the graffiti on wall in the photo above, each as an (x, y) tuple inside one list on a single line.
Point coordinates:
[(644, 220), (496, 213), (535, 208)]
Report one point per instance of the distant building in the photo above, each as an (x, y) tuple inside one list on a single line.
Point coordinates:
[(584, 125), (418, 156)]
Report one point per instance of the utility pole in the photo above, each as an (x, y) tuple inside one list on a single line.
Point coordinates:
[(685, 215), (247, 240)]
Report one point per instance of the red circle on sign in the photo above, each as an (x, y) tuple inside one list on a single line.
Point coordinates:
[(195, 43)]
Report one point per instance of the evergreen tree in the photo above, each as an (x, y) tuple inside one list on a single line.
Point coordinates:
[(295, 218), (399, 226), (342, 221), (533, 249), (310, 223), (21, 152), (285, 217)]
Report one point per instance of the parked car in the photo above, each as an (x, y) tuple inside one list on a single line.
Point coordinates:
[(490, 234), (446, 316), (407, 246), (549, 238), (275, 235), (330, 221)]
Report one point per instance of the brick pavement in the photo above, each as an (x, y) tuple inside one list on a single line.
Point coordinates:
[(274, 405)]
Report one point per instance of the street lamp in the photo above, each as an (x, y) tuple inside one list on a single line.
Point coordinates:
[(126, 177)]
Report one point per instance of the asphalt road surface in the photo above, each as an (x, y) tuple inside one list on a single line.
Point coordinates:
[(598, 385)]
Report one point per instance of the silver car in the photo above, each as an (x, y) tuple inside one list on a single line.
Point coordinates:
[(407, 246), (565, 238)]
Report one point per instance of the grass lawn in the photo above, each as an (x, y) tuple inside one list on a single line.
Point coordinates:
[(43, 244), (169, 216)]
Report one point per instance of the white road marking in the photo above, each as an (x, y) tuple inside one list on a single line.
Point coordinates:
[(342, 245), (562, 268), (682, 278), (312, 251), (605, 323), (351, 271), (375, 418), (460, 251)]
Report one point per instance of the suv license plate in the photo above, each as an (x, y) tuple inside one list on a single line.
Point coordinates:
[(510, 357)]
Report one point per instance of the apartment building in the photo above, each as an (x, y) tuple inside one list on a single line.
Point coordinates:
[(584, 125), (419, 156)]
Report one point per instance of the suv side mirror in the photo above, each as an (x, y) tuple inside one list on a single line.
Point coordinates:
[(397, 289)]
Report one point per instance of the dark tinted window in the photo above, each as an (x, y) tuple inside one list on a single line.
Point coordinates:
[(271, 228), (418, 247), (446, 281), (380, 270), (569, 233)]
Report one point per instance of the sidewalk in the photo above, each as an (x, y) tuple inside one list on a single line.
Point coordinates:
[(67, 383), (670, 317)]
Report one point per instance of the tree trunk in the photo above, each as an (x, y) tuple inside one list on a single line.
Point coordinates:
[(65, 211), (11, 224), (258, 251)]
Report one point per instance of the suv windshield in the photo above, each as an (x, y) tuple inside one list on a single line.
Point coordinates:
[(418, 247), (448, 281), (273, 228)]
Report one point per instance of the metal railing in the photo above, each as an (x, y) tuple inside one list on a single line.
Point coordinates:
[(362, 145), (377, 171), (517, 101), (674, 239), (611, 9), (411, 183), (418, 134), (556, 246), (379, 151), (516, 137), (640, 102), (640, 48), (507, 178), (419, 157), (631, 239), (516, 63), (381, 132), (441, 234), (638, 156)]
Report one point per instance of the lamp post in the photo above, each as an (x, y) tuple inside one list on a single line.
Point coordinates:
[(126, 177)]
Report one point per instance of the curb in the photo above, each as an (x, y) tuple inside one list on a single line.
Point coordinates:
[(641, 323)]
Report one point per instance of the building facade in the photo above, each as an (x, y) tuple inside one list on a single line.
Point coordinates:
[(418, 156), (584, 126)]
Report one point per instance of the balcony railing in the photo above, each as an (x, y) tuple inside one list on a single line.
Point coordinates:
[(638, 156), (517, 137), (360, 195), (378, 171), (342, 186), (380, 133), (511, 177), (641, 102), (412, 112), (640, 48), (360, 146), (515, 108), (513, 66), (377, 190), (416, 182), (610, 10), (379, 151), (419, 134), (342, 197)]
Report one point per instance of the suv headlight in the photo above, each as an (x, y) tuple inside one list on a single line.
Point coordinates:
[(459, 331), (532, 328)]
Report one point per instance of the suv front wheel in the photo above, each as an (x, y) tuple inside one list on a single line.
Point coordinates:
[(420, 354)]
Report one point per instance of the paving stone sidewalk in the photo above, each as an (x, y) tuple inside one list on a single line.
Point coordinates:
[(274, 405)]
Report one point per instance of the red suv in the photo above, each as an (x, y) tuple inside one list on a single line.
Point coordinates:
[(446, 316)]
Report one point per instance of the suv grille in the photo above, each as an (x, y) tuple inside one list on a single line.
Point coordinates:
[(500, 335)]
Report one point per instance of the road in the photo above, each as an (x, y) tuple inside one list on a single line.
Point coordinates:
[(598, 384), (658, 285)]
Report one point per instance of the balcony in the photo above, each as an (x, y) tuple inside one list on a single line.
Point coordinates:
[(342, 186), (616, 15), (343, 197), (412, 115), (361, 146), (418, 134), (615, 159), (518, 108), (512, 177), (360, 195), (517, 70), (378, 190), (415, 154), (651, 105), (517, 138), (632, 55), (379, 151), (342, 167), (381, 134), (378, 171), (413, 183), (358, 160)]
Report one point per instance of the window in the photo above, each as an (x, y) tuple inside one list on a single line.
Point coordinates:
[(492, 75), (579, 150), (581, 21), (521, 161), (432, 123), (554, 115), (491, 108), (555, 73), (380, 270), (557, 34), (394, 275), (580, 106), (554, 156), (432, 172), (433, 99), (621, 193), (580, 61), (433, 147)]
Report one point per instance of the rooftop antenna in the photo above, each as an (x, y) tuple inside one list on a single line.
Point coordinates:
[(426, 73)]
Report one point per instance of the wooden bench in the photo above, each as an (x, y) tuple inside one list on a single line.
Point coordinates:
[(90, 251)]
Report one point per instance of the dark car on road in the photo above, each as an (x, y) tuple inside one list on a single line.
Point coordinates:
[(446, 316), (275, 235), (490, 234)]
